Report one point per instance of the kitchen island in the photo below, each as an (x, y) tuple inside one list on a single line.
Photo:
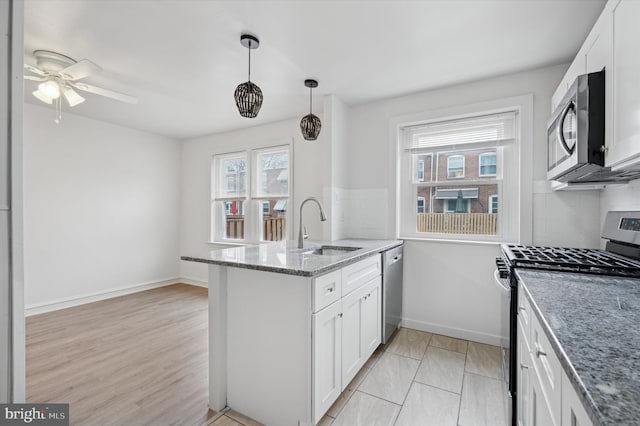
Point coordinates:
[(290, 327)]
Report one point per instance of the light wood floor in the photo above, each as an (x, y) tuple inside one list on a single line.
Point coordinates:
[(138, 359)]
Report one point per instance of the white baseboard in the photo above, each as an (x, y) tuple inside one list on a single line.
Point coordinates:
[(474, 336), (194, 281), (81, 300)]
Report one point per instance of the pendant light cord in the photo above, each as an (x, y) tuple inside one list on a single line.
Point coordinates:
[(249, 60), (310, 99)]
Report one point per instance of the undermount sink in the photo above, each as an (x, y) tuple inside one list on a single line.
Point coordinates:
[(333, 250)]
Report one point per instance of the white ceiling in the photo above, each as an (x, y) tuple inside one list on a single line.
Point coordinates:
[(183, 58)]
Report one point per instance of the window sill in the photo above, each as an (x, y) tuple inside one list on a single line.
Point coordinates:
[(448, 241)]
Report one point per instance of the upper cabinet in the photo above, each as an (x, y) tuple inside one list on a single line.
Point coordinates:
[(613, 45), (624, 151)]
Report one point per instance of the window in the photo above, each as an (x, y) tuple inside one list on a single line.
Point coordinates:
[(493, 204), (462, 204), (455, 167), (420, 170), (245, 185), (487, 164)]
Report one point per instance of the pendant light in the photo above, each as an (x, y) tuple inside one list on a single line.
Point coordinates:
[(310, 124), (248, 96)]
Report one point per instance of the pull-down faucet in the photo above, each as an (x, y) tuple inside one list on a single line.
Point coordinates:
[(303, 235)]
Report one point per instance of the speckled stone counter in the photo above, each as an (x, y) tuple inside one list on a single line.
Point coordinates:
[(284, 257), (593, 324)]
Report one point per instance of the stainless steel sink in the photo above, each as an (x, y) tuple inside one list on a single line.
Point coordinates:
[(333, 250)]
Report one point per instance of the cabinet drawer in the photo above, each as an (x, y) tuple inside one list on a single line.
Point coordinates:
[(547, 367), (326, 289), (357, 274)]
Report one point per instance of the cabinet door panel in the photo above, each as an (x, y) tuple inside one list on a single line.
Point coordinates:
[(327, 341), (573, 412), (372, 317), (352, 349), (540, 411), (524, 379), (626, 36)]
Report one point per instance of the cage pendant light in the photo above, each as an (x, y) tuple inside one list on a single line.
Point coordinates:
[(310, 124), (248, 96)]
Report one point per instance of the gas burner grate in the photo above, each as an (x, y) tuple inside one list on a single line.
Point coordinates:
[(591, 261)]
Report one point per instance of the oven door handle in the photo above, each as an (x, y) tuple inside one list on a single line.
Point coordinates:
[(498, 281)]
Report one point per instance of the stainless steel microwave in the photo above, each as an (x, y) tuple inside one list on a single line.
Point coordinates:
[(575, 132)]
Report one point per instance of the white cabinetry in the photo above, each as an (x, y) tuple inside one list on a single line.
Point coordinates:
[(347, 331), (625, 149), (327, 357), (573, 412), (545, 395)]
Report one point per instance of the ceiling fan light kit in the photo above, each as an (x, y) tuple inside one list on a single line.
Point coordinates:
[(58, 75), (310, 124), (248, 96)]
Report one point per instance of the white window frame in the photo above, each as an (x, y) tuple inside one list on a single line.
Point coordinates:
[(424, 204), (253, 204), (449, 166), (486, 154), (490, 203), (517, 217), (420, 170)]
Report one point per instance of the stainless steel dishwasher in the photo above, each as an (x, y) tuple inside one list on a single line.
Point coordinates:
[(391, 291)]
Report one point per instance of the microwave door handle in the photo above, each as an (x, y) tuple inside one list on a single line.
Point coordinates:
[(561, 138)]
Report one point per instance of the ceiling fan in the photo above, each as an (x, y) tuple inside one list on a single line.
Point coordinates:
[(58, 76)]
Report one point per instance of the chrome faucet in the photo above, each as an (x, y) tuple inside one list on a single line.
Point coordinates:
[(303, 235)]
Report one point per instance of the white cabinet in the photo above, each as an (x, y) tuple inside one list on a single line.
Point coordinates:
[(327, 357), (361, 327), (545, 395), (624, 151), (573, 412)]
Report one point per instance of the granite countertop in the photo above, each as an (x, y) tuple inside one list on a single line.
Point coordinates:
[(593, 324), (284, 256)]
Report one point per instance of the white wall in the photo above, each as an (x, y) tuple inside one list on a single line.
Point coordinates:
[(311, 177), (100, 207), (619, 197), (449, 286)]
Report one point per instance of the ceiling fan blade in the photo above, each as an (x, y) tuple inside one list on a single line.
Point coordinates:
[(80, 69), (105, 92), (34, 78), (72, 96), (34, 70)]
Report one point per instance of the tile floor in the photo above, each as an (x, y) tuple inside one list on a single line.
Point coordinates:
[(419, 379)]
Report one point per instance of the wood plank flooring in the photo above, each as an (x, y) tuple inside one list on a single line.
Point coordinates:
[(140, 359)]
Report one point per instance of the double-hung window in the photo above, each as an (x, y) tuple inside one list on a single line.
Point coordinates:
[(250, 193), (472, 163)]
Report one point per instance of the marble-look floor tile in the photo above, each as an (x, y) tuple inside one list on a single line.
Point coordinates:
[(442, 368), (484, 360), (428, 406), (367, 410), (391, 377), (483, 402), (450, 343), (410, 343), (347, 393), (374, 357)]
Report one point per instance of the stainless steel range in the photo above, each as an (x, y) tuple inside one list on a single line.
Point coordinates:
[(621, 257)]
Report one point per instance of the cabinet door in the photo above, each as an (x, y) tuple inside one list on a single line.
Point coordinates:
[(524, 371), (573, 412), (327, 341), (353, 354), (372, 317), (626, 61), (540, 410)]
